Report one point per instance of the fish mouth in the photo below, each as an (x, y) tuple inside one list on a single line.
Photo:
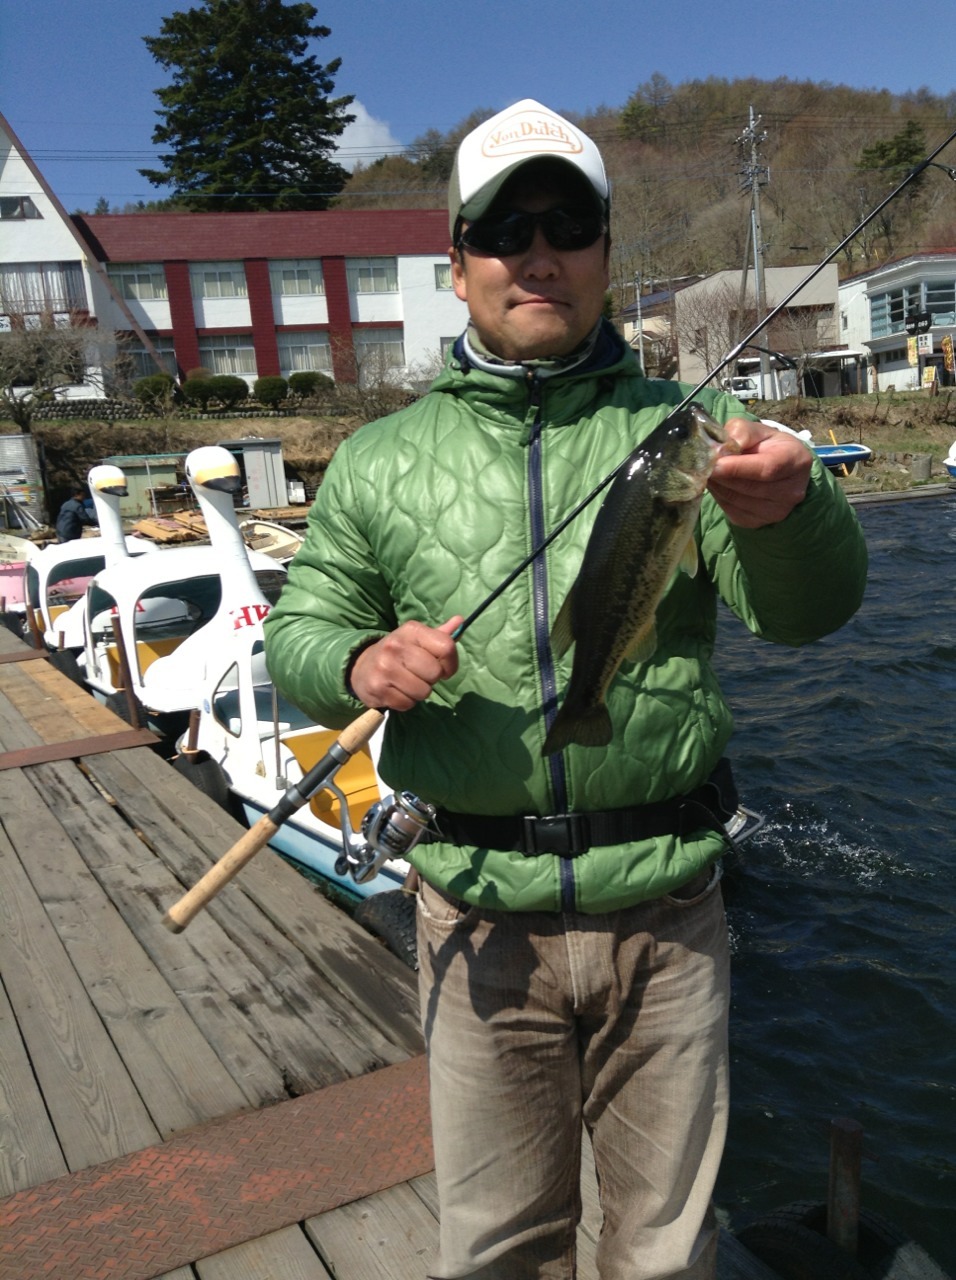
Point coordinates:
[(723, 443)]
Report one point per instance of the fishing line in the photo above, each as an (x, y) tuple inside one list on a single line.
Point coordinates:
[(727, 359)]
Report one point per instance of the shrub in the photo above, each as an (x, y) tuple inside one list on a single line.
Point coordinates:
[(155, 390), (309, 382), (270, 390), (196, 375), (229, 389), (198, 391)]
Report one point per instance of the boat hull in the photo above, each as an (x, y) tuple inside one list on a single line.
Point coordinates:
[(842, 458)]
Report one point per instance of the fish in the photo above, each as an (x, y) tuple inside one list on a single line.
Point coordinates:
[(643, 533)]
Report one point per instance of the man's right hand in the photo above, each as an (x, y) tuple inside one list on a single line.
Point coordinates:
[(403, 667)]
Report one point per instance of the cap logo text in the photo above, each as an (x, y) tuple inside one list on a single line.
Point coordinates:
[(536, 133)]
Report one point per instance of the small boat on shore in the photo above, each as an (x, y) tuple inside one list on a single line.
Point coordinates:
[(949, 462), (841, 458), (275, 540)]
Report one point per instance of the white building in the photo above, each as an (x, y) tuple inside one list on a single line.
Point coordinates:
[(253, 294), (900, 313), (710, 315)]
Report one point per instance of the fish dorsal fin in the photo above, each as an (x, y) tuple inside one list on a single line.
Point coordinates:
[(689, 559), (562, 635)]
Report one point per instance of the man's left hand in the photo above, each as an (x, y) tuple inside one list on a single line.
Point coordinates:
[(763, 483)]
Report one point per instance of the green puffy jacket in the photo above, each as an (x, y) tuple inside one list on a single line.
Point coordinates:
[(423, 513)]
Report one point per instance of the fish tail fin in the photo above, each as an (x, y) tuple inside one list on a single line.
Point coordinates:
[(589, 727)]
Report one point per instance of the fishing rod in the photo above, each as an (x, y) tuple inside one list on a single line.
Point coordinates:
[(401, 824), (729, 358)]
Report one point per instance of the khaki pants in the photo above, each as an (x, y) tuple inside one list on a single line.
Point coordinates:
[(536, 1023)]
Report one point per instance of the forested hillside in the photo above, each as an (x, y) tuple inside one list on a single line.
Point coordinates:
[(826, 155)]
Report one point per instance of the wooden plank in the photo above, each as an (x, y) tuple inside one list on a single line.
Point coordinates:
[(75, 747), (15, 732), (51, 707), (26, 656), (388, 1236), (351, 1041), (29, 1151), (176, 1072), (93, 1104), (287, 1254), (9, 643), (55, 707), (73, 701), (215, 983), (312, 1047), (375, 982)]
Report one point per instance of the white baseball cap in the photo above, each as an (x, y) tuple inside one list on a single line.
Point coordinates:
[(528, 131)]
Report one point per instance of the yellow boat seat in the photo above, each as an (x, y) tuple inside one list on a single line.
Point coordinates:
[(147, 651), (355, 779)]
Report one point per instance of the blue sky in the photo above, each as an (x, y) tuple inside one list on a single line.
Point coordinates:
[(77, 83)]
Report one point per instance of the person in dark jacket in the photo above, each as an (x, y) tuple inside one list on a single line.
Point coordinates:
[(73, 515), (573, 955)]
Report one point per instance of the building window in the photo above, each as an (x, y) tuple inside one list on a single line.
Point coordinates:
[(443, 275), (372, 275), (941, 301), (218, 280), (296, 277), (888, 310), (228, 353), (37, 287), (138, 361), (378, 352), (139, 280), (301, 351), (16, 208)]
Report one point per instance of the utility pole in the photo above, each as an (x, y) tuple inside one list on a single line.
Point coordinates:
[(640, 321), (754, 175)]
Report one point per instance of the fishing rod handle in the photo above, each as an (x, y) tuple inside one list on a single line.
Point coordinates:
[(219, 875), (352, 737), (357, 733)]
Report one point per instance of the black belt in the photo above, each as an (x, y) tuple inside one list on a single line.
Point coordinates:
[(570, 834)]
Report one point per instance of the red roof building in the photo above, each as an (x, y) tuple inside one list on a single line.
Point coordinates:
[(356, 295)]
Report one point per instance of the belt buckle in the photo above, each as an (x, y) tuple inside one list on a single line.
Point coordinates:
[(566, 834)]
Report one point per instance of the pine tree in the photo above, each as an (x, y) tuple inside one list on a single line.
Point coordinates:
[(247, 120)]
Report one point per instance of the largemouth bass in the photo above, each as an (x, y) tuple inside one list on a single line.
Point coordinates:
[(643, 533)]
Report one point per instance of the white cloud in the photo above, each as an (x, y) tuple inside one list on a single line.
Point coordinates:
[(365, 140)]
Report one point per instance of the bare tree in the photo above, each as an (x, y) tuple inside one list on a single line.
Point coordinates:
[(708, 321), (40, 357)]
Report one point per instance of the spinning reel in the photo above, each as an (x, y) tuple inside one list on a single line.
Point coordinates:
[(391, 829)]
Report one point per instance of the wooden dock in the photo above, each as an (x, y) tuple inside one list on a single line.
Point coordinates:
[(139, 1068)]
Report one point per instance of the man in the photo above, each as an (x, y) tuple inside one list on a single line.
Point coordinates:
[(572, 943), (73, 515)]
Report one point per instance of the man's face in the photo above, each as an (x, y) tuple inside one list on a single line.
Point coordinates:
[(539, 303)]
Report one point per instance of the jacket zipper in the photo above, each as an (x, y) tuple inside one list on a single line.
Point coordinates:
[(542, 630)]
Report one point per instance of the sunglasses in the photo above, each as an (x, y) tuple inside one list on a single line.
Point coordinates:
[(513, 232)]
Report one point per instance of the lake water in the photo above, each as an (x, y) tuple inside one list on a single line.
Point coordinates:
[(842, 908)]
